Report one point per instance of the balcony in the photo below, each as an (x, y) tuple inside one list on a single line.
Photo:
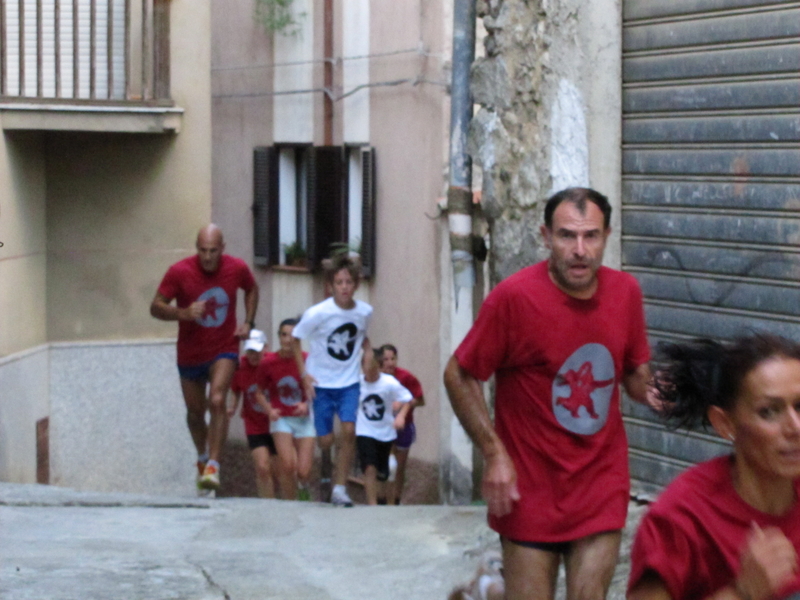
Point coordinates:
[(86, 65)]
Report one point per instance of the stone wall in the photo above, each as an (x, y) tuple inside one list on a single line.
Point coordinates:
[(549, 91)]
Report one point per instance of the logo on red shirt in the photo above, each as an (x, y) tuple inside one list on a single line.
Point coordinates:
[(289, 391), (583, 388), (216, 309)]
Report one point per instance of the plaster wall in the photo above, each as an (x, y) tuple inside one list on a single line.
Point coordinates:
[(113, 429), (406, 128), (121, 208), (23, 234), (24, 400)]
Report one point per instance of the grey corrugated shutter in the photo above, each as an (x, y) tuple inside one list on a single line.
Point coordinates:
[(711, 184), (368, 212), (327, 217), (266, 239)]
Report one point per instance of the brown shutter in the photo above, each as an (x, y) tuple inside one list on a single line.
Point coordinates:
[(326, 212), (368, 212), (266, 248)]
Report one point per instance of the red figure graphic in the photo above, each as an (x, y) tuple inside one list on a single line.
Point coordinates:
[(211, 308), (581, 384)]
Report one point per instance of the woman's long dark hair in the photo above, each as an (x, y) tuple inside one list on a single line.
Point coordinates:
[(695, 375)]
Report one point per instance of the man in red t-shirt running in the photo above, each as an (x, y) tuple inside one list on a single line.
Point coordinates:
[(204, 288), (559, 336)]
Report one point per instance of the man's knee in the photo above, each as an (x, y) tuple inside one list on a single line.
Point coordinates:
[(217, 402)]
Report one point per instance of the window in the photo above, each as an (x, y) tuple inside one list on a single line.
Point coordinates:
[(308, 198)]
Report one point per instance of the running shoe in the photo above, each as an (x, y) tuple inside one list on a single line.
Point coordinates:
[(210, 478), (303, 495), (341, 499)]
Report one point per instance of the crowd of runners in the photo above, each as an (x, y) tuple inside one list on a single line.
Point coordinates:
[(559, 338), (289, 399)]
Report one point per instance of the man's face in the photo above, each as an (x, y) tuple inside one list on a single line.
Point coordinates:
[(209, 251), (576, 242)]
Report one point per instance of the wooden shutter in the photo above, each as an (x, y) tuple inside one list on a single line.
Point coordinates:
[(368, 212), (266, 246), (327, 215)]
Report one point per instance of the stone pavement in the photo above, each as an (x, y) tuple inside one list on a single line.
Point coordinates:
[(58, 544)]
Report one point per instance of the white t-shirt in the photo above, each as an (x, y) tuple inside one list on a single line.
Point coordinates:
[(375, 418), (334, 336)]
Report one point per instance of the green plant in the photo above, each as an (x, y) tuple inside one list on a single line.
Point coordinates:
[(296, 255), (337, 248), (277, 16)]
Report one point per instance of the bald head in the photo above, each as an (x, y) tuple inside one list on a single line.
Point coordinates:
[(210, 246)]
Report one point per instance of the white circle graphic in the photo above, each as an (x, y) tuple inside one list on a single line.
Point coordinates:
[(583, 388)]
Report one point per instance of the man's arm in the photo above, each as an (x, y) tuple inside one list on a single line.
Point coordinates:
[(250, 307), (162, 308), (499, 486)]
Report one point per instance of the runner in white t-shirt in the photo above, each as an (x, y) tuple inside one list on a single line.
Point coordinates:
[(336, 330), (382, 409)]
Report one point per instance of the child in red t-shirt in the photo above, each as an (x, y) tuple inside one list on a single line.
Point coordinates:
[(292, 426), (255, 411)]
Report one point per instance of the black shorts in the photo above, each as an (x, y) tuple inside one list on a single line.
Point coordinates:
[(262, 439), (372, 452), (554, 547)]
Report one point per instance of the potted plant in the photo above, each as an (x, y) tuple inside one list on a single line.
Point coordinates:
[(295, 255)]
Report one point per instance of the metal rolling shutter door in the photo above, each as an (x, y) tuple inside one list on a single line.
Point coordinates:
[(711, 184)]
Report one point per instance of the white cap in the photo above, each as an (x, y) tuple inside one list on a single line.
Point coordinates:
[(256, 341)]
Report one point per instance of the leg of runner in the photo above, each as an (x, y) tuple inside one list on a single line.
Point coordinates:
[(590, 565), (287, 459), (529, 572)]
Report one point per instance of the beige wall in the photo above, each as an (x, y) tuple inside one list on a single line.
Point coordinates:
[(122, 207), (406, 130), (89, 223), (23, 233)]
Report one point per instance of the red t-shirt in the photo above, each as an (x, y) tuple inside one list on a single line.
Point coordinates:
[(202, 340), (412, 384), (558, 362), (280, 377), (693, 534), (245, 382)]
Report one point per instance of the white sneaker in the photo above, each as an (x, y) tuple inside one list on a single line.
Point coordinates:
[(341, 499), (392, 467)]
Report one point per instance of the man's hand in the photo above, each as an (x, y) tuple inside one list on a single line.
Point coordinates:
[(499, 486), (194, 311), (243, 331), (768, 562)]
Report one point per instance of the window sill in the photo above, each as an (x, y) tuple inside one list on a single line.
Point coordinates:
[(290, 269)]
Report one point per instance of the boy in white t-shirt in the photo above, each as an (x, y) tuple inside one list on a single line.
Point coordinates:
[(336, 330), (382, 409)]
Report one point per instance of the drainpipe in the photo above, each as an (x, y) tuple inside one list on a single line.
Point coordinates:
[(459, 192), (457, 452)]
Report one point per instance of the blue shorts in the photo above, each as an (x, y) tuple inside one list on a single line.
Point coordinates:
[(406, 437), (202, 371), (335, 401)]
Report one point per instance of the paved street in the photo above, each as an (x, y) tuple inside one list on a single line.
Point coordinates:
[(58, 544)]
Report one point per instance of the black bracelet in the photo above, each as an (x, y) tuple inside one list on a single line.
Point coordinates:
[(252, 324)]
